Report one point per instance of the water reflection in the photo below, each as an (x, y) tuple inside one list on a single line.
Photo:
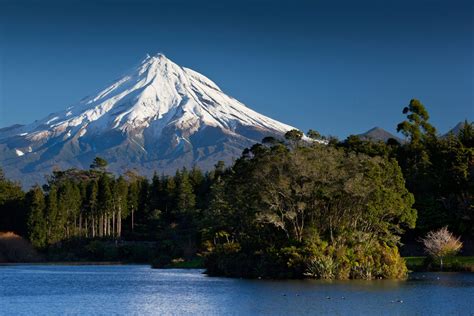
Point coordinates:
[(139, 290)]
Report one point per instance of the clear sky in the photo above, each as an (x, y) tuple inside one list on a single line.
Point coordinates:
[(339, 67)]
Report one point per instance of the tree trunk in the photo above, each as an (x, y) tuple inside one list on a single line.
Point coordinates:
[(93, 226), (106, 224), (133, 219), (119, 223), (80, 224), (101, 225), (113, 224), (87, 228)]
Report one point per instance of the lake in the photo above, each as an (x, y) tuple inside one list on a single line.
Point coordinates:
[(139, 290)]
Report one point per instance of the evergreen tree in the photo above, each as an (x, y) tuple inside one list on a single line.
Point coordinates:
[(120, 205), (99, 164), (185, 199), (133, 201), (13, 213), (37, 225), (93, 207), (416, 127), (155, 193), (314, 135), (294, 137), (466, 134), (170, 193), (53, 216), (105, 205)]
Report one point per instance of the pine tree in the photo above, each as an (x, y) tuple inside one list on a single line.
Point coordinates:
[(185, 199), (105, 205), (155, 194), (416, 127), (99, 164), (120, 205), (133, 201), (170, 193), (93, 206), (37, 226), (52, 216), (13, 214), (294, 137)]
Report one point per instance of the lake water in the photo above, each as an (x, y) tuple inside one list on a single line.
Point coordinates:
[(139, 290)]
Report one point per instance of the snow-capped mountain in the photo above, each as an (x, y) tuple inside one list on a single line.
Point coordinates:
[(159, 117)]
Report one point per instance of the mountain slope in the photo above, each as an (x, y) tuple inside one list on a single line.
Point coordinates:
[(456, 129), (378, 133), (158, 117)]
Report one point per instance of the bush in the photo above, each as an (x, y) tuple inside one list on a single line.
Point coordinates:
[(14, 248), (441, 243), (135, 252), (322, 267)]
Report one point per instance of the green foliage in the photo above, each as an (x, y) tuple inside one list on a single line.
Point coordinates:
[(99, 164), (459, 263), (13, 213), (466, 134), (36, 217), (294, 137), (286, 209), (284, 213), (314, 135), (372, 148), (416, 127), (439, 171)]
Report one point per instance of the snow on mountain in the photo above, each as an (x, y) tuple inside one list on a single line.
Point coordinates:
[(158, 90), (160, 116)]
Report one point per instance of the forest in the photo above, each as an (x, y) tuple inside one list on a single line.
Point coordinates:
[(300, 206)]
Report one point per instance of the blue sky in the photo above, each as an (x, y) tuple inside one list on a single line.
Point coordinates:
[(339, 67)]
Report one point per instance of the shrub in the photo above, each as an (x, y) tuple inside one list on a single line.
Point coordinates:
[(441, 243), (14, 248)]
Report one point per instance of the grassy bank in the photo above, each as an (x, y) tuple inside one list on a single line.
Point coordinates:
[(458, 264)]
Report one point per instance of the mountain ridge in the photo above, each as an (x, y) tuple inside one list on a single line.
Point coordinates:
[(378, 134), (157, 117), (457, 128)]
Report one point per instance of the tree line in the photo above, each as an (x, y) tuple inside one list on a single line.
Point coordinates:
[(438, 170), (294, 206), (95, 204)]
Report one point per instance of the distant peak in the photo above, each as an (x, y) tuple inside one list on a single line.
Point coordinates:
[(378, 133), (157, 56), (156, 61)]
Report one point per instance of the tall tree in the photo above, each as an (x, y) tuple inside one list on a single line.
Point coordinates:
[(416, 127), (13, 214), (120, 196), (53, 217), (105, 200), (99, 164), (37, 225), (185, 199)]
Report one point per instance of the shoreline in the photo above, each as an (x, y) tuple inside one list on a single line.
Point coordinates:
[(451, 264), (119, 263), (70, 263), (462, 264)]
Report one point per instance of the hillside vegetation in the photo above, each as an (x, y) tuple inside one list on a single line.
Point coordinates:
[(289, 207)]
